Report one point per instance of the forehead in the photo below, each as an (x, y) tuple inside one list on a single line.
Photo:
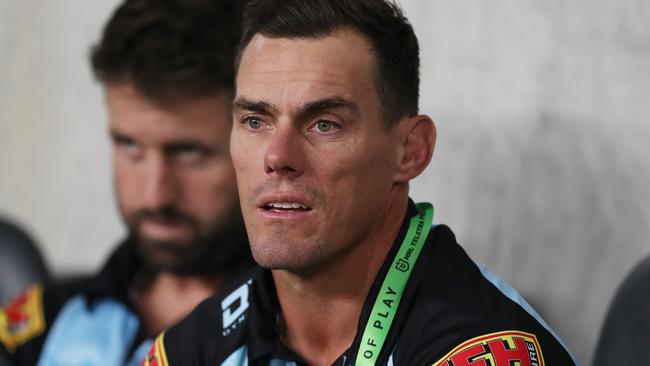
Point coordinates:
[(290, 70), (134, 113)]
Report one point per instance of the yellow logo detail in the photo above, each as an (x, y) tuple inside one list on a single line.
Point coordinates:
[(505, 348), (22, 319)]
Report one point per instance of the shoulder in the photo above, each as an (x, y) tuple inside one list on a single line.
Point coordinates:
[(25, 320), (214, 330), (634, 289), (461, 311), (624, 336)]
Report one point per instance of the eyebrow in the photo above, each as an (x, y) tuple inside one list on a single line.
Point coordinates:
[(311, 108), (257, 107), (325, 104), (115, 135), (180, 145), (169, 146)]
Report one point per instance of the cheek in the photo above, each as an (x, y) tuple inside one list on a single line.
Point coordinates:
[(126, 184), (357, 168), (127, 196), (365, 185), (248, 162), (212, 184)]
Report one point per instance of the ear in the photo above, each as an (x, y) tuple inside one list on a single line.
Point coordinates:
[(418, 139)]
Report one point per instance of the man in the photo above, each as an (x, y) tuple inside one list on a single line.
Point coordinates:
[(167, 67), (326, 138)]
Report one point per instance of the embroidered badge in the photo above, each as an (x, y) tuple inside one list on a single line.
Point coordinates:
[(156, 355), (496, 349), (23, 319)]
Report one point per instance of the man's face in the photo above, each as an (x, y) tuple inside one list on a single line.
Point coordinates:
[(174, 177), (315, 164)]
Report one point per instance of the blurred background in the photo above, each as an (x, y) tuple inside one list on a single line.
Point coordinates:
[(542, 165)]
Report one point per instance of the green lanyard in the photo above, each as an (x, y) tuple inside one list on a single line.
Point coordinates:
[(392, 289)]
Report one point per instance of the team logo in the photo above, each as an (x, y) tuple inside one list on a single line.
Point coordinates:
[(156, 355), (22, 319), (234, 306), (506, 348)]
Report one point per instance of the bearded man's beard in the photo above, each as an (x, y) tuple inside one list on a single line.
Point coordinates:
[(212, 250)]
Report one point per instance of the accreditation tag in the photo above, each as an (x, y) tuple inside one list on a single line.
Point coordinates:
[(392, 288)]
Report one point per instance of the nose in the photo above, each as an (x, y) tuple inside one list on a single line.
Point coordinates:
[(159, 188), (283, 156)]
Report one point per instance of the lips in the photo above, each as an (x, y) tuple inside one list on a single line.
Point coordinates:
[(164, 231), (284, 204)]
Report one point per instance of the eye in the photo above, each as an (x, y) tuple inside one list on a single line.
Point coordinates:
[(188, 151), (127, 146), (326, 126), (254, 123), (191, 153)]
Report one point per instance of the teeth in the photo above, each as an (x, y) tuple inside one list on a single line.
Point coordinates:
[(287, 205)]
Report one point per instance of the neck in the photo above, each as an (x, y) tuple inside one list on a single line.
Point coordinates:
[(321, 311), (168, 298)]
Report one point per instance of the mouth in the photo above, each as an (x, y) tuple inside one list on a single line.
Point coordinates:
[(164, 230), (284, 206)]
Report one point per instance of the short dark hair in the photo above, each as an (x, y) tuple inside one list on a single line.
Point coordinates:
[(170, 48), (380, 21)]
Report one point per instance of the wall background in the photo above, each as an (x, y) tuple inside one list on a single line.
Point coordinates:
[(541, 166)]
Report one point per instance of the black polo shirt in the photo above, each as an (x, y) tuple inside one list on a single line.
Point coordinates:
[(452, 313)]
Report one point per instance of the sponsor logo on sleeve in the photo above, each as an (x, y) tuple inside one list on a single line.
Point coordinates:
[(506, 348), (23, 319), (156, 355), (234, 308)]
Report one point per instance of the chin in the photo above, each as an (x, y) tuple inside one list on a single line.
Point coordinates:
[(280, 252), (271, 258), (290, 261), (270, 261)]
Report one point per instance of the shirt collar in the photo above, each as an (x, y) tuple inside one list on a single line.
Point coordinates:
[(116, 276)]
